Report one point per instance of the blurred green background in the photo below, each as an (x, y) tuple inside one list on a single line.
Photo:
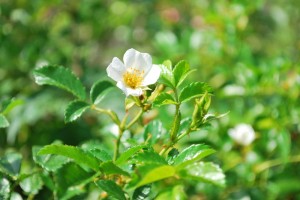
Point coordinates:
[(247, 50)]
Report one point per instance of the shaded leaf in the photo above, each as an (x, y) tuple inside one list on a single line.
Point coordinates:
[(60, 77), (153, 130), (112, 189), (204, 171), (10, 163), (128, 153), (164, 99), (110, 168), (78, 155), (75, 109), (3, 121), (180, 72), (99, 90), (32, 184), (192, 154), (100, 154), (172, 155), (194, 90), (142, 192)]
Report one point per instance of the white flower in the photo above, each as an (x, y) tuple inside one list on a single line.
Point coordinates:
[(243, 134), (135, 73)]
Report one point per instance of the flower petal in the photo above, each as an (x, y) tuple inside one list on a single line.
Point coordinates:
[(129, 91), (116, 69), (137, 60), (152, 76)]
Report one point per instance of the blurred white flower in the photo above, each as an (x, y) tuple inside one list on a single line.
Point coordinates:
[(135, 73), (242, 134)]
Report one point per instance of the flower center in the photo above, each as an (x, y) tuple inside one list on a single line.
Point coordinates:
[(133, 77)]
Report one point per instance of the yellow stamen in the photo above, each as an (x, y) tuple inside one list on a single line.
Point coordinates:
[(133, 77)]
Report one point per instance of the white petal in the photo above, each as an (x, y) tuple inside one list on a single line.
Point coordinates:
[(137, 60), (116, 69), (152, 76), (129, 91)]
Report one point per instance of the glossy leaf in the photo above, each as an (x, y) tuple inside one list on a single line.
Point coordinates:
[(153, 131), (3, 121), (128, 153), (142, 192), (75, 109), (148, 157), (164, 99), (32, 184), (98, 90), (60, 77), (173, 153), (194, 90), (112, 189), (100, 154), (109, 168), (4, 188), (78, 155), (204, 171), (166, 76), (48, 162), (192, 154), (10, 163), (180, 72), (153, 173)]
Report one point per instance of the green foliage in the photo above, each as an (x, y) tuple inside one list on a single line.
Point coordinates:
[(60, 77), (75, 109), (99, 90), (164, 99), (153, 131), (10, 164), (3, 121), (194, 90), (32, 184), (4, 188), (128, 153), (111, 188), (109, 168)]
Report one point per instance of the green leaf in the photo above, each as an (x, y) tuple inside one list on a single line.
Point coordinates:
[(48, 162), (180, 72), (173, 153), (177, 192), (128, 153), (164, 99), (112, 189), (60, 77), (184, 125), (4, 188), (10, 163), (99, 90), (110, 168), (10, 104), (204, 171), (100, 154), (194, 90), (147, 157), (166, 76), (32, 184), (3, 121), (78, 155), (75, 109), (192, 154), (153, 130), (152, 173), (142, 192)]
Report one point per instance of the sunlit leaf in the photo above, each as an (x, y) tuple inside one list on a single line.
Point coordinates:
[(78, 155), (100, 154), (128, 153), (166, 76), (3, 121), (32, 184), (194, 90), (112, 189), (75, 109), (192, 154), (180, 72), (99, 90), (164, 99), (60, 77), (148, 157), (205, 172)]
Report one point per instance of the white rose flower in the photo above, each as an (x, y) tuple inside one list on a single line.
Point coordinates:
[(135, 73), (242, 134)]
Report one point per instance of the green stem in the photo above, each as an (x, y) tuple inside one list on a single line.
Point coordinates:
[(110, 113), (117, 147), (272, 163), (135, 119)]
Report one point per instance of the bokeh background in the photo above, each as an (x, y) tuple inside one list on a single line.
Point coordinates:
[(248, 51)]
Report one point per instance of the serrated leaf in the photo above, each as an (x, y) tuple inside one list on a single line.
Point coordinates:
[(142, 192), (204, 171), (109, 168), (100, 154), (75, 109), (48, 162), (128, 153), (10, 163), (166, 76), (4, 188), (153, 173), (180, 72), (98, 90), (3, 121), (164, 99), (78, 155), (192, 154), (153, 131), (112, 189), (147, 157), (194, 90), (60, 77), (32, 184)]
